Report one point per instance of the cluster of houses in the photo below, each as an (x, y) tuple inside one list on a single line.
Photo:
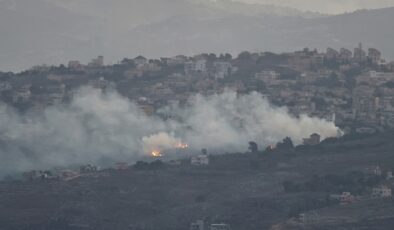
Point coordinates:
[(338, 85), (382, 191), (60, 173), (90, 169)]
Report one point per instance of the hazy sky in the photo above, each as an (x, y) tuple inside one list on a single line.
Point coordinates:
[(328, 6)]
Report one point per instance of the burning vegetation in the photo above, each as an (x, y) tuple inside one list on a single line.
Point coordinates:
[(156, 153), (182, 146)]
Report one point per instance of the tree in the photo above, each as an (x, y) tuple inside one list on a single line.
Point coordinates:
[(286, 144), (253, 147), (244, 55), (228, 56)]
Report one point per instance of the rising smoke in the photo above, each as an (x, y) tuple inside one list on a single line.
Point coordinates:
[(101, 127)]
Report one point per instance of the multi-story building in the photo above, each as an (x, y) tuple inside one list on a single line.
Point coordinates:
[(331, 54), (197, 66), (359, 54), (345, 55), (97, 62), (222, 69), (374, 55)]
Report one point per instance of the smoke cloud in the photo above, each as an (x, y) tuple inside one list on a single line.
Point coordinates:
[(103, 128)]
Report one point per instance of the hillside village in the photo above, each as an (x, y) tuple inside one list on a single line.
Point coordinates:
[(353, 88), (321, 184)]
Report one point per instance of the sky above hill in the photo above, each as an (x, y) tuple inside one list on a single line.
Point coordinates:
[(321, 6), (328, 6), (56, 31)]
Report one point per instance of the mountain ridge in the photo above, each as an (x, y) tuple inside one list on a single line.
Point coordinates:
[(49, 32)]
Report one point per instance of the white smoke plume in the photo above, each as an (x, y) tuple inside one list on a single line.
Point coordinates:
[(103, 128)]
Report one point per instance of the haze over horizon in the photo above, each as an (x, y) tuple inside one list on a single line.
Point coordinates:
[(327, 7), (52, 32)]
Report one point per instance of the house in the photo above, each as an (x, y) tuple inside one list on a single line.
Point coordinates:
[(97, 62), (220, 227), (331, 54), (200, 160), (267, 76), (197, 66), (198, 225), (345, 55), (381, 192), (74, 64), (222, 69), (89, 168), (35, 175), (346, 198), (374, 55), (140, 61), (314, 139), (318, 59)]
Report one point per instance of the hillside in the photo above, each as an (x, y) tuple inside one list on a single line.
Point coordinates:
[(244, 190), (270, 32)]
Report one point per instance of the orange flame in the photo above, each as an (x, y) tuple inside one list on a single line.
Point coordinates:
[(156, 153), (182, 146)]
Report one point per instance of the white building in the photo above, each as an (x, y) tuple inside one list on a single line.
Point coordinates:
[(200, 160), (97, 62), (198, 66), (222, 69), (220, 227), (381, 192), (267, 76)]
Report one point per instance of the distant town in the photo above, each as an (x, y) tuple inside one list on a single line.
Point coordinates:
[(320, 184), (353, 89)]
